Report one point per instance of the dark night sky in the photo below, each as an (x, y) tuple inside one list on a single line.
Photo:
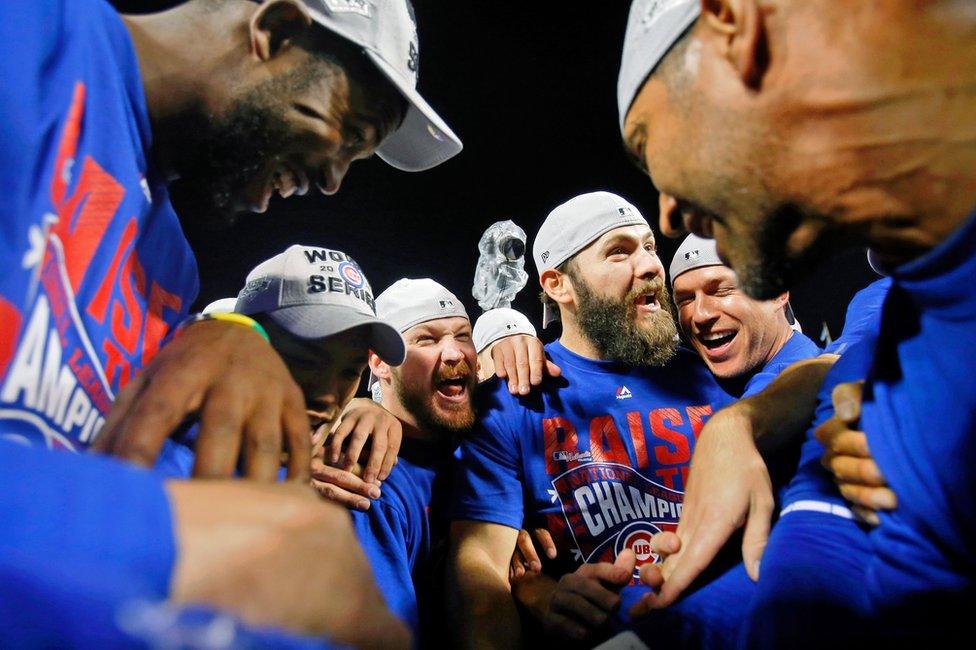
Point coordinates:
[(530, 88)]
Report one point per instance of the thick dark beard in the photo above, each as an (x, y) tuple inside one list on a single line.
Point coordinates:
[(417, 402), (220, 155), (611, 325)]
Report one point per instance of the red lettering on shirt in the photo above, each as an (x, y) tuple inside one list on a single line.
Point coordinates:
[(9, 327), (605, 443), (678, 451), (698, 415), (636, 425), (559, 434)]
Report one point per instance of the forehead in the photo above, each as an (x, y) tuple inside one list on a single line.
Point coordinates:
[(697, 279), (638, 233), (439, 327)]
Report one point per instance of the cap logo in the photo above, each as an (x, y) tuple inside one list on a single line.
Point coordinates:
[(361, 7), (544, 256), (653, 8), (692, 255), (255, 285), (413, 57), (447, 304), (351, 274), (625, 211)]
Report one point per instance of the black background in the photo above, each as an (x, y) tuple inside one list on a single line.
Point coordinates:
[(531, 90)]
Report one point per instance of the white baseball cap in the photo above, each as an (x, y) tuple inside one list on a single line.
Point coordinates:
[(387, 32), (221, 306), (498, 323), (410, 302), (652, 28), (575, 224), (316, 292), (696, 252)]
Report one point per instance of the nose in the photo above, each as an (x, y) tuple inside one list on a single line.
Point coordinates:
[(704, 311), (648, 265), (451, 352), (332, 173), (669, 220)]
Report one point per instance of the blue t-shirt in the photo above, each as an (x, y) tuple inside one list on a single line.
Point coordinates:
[(94, 266), (919, 415), (599, 456), (797, 348), (402, 530)]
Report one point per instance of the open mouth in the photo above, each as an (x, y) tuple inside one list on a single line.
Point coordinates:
[(288, 181), (647, 303), (455, 388), (715, 341)]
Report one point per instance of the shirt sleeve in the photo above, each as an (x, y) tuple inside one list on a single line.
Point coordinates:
[(489, 477), (391, 548)]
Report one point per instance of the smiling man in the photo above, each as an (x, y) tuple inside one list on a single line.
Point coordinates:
[(777, 128), (599, 456), (431, 394), (102, 113)]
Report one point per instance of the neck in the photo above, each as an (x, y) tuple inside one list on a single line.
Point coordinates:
[(411, 428), (574, 340), (783, 334), (898, 134), (181, 54)]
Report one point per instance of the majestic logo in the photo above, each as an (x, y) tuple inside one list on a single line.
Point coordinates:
[(624, 393), (352, 275), (609, 507)]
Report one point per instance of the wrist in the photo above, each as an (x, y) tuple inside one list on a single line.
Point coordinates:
[(232, 317)]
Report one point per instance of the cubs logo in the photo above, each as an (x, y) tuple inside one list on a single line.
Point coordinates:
[(351, 274), (609, 507)]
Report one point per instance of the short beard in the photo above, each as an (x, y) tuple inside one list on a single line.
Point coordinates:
[(220, 155), (611, 325), (418, 403)]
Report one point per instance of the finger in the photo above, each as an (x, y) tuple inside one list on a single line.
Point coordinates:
[(544, 539), (861, 471), (870, 498), (606, 572), (498, 359), (866, 515), (626, 562), (537, 360), (346, 480), (377, 452), (847, 401), (552, 369), (296, 426), (598, 594), (107, 437), (577, 607), (522, 371), (567, 627), (665, 544), (695, 557), (357, 440), (336, 494), (261, 441), (652, 575), (526, 548), (338, 436), (152, 417), (754, 538), (507, 363), (218, 444), (848, 442), (394, 438)]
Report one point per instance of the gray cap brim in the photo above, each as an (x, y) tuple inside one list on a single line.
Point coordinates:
[(423, 140), (319, 321)]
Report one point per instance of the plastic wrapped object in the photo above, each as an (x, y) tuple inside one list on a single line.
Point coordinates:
[(500, 273)]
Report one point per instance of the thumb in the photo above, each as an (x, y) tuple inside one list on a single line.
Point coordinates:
[(624, 565), (552, 369), (754, 540), (847, 401)]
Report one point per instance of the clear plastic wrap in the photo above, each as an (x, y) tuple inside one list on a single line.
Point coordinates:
[(500, 273)]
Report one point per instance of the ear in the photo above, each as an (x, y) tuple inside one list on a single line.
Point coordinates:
[(378, 367), (274, 22), (781, 300), (739, 25), (557, 286)]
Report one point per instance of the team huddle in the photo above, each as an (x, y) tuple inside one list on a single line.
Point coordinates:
[(680, 467)]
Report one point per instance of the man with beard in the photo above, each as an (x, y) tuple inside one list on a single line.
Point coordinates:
[(101, 112), (431, 395), (877, 151), (599, 456)]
